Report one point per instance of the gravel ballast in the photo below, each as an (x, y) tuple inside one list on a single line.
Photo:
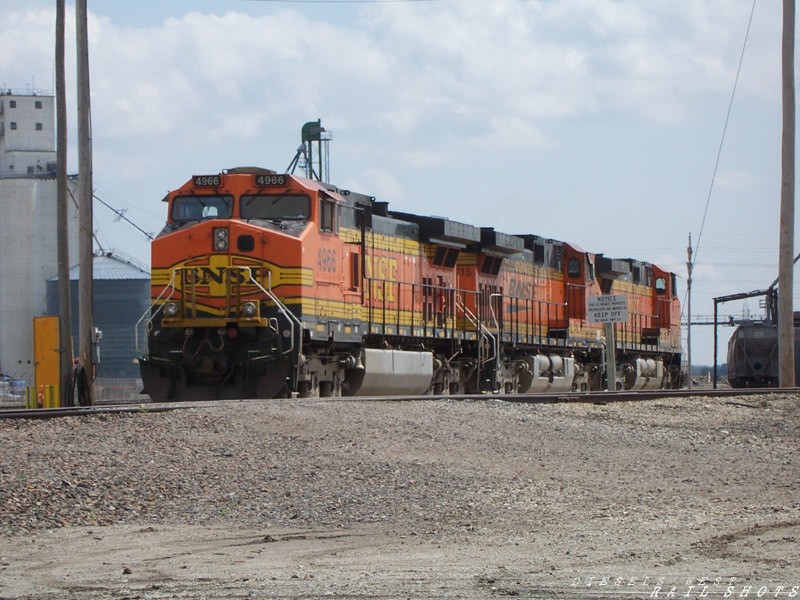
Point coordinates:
[(297, 498)]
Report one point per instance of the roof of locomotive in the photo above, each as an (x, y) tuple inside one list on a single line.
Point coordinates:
[(433, 228)]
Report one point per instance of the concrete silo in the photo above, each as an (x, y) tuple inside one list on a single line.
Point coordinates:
[(28, 210)]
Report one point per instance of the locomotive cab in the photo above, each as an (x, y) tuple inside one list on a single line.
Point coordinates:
[(224, 270)]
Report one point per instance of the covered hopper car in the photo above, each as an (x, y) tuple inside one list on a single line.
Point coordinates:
[(753, 354)]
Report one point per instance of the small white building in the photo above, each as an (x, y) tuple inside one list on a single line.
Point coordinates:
[(27, 134), (28, 217)]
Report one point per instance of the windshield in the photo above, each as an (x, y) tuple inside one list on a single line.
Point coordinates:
[(276, 207), (195, 208)]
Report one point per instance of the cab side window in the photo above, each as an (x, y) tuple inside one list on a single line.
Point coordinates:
[(327, 216), (574, 268)]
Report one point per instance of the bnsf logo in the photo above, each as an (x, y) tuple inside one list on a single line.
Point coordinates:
[(520, 289), (220, 275), (214, 276), (217, 282)]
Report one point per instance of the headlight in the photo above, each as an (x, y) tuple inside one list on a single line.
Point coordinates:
[(249, 309), (171, 309), (220, 238)]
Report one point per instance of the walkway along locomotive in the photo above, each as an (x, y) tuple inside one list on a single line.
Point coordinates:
[(267, 284)]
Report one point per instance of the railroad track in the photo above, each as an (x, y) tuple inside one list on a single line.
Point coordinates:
[(582, 397)]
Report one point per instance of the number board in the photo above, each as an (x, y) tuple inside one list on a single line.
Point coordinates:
[(607, 309), (206, 180), (262, 180)]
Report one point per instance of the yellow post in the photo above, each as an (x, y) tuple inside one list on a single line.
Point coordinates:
[(47, 366), (48, 395), (31, 398)]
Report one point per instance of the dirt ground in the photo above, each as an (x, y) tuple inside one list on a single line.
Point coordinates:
[(686, 498)]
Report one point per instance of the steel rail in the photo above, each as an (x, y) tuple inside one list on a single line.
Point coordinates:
[(600, 397)]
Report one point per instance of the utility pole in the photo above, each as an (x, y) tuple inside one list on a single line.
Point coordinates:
[(62, 213), (689, 320), (786, 239), (85, 324)]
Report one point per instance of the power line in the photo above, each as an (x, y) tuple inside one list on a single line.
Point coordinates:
[(693, 254), (724, 131), (342, 1), (121, 215)]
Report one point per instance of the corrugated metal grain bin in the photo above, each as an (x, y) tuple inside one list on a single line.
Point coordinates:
[(121, 295)]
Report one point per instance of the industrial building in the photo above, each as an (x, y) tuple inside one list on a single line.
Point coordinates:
[(28, 213)]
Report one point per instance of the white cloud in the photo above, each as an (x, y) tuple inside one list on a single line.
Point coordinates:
[(736, 181), (385, 184), (413, 68)]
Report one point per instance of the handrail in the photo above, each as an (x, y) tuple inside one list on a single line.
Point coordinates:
[(290, 316), (496, 321), (282, 308), (171, 285), (482, 331)]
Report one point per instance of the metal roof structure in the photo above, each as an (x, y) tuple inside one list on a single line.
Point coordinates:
[(112, 266)]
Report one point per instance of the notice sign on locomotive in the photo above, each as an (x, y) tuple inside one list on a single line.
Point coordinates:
[(607, 309)]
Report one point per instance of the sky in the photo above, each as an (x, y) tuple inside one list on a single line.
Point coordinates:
[(597, 122)]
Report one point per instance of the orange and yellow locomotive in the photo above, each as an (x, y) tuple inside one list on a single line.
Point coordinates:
[(268, 284)]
